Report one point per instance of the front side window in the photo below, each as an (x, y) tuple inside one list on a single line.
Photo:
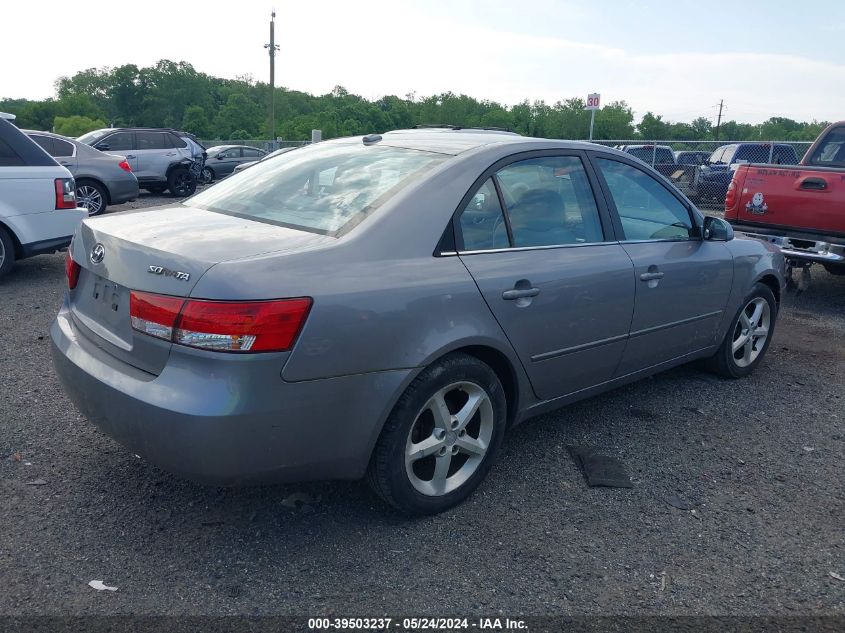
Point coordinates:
[(550, 202), (119, 141), (716, 156), (325, 188), (234, 152), (647, 209), (482, 222)]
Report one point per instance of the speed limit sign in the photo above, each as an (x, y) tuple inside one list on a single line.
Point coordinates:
[(593, 101)]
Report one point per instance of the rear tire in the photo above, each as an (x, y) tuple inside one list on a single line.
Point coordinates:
[(441, 437), (92, 196), (749, 335), (180, 183), (7, 252)]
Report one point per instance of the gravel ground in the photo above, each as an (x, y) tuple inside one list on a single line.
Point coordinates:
[(759, 461)]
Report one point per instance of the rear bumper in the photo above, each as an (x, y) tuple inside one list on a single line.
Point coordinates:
[(202, 420), (123, 190), (40, 233), (799, 248), (44, 247)]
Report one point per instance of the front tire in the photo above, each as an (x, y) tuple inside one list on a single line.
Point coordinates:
[(91, 196), (7, 252), (749, 335), (441, 437), (180, 183)]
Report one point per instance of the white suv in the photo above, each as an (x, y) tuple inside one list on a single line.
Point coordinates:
[(38, 210)]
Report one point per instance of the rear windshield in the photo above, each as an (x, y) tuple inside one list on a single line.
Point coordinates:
[(647, 154), (91, 137), (831, 151), (326, 188)]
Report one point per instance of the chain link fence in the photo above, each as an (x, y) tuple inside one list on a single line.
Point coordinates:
[(703, 169), (267, 146)]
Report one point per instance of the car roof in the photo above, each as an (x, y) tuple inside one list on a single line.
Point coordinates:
[(456, 141), (54, 135)]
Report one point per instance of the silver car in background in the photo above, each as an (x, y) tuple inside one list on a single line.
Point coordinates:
[(101, 179), (223, 160), (388, 305)]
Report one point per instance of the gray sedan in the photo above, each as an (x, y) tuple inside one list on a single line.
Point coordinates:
[(223, 159), (389, 305), (101, 179)]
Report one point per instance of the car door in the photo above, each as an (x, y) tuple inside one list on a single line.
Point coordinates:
[(542, 252), (155, 153), (226, 161), (121, 144), (682, 282)]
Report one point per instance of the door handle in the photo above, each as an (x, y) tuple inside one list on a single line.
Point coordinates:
[(523, 293), (130, 156), (813, 184), (170, 154), (651, 276)]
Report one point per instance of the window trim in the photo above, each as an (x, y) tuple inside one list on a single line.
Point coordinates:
[(696, 219), (608, 227), (72, 145)]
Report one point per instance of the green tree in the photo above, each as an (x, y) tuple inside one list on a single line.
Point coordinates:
[(195, 121), (76, 125), (653, 127)]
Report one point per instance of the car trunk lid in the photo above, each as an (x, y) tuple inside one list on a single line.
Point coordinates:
[(163, 251)]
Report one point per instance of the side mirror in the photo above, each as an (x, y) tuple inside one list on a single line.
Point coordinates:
[(219, 157), (103, 147), (717, 230)]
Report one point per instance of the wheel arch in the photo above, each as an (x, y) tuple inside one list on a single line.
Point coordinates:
[(14, 237), (773, 284)]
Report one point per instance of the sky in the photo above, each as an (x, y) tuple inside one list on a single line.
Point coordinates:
[(677, 58)]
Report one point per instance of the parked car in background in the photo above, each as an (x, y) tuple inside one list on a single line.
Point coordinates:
[(101, 179), (38, 210), (801, 209), (239, 168), (712, 179), (390, 304), (160, 158), (661, 157), (223, 159), (687, 157)]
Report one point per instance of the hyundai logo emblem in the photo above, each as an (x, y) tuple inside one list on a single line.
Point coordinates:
[(97, 253)]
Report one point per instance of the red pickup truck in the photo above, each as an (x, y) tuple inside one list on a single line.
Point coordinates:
[(800, 208)]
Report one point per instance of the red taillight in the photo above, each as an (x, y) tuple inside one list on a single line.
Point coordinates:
[(65, 193), (223, 326), (71, 270), (124, 166), (730, 196), (154, 314)]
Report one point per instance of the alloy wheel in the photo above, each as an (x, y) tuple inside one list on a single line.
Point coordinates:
[(751, 332), (2, 253), (449, 438), (89, 198)]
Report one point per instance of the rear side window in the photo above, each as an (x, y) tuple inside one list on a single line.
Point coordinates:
[(62, 148), (831, 151), (8, 156), (325, 188), (45, 142), (550, 202), (250, 152), (648, 155), (176, 141), (482, 222), (152, 140), (784, 155), (647, 210)]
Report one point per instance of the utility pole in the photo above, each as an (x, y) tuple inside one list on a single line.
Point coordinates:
[(272, 48), (719, 119)]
